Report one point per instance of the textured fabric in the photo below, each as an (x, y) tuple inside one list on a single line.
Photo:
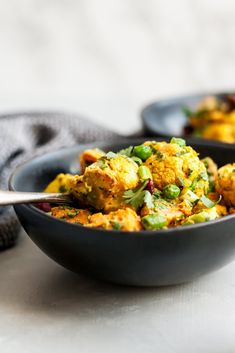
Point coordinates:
[(24, 135)]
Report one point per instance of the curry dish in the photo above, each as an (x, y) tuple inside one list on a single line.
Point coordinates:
[(214, 119), (155, 185)]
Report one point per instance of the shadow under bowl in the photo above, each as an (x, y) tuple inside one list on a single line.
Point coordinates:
[(146, 258)]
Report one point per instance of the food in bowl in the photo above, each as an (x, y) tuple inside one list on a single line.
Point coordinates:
[(152, 186), (213, 119)]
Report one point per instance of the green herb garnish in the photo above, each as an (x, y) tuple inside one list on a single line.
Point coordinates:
[(159, 155), (62, 188), (116, 225), (138, 197), (188, 112), (126, 151), (148, 200), (72, 213), (101, 163)]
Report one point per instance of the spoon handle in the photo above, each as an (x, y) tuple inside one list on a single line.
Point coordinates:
[(16, 197)]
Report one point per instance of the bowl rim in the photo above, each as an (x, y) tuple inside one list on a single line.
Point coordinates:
[(141, 233), (168, 101)]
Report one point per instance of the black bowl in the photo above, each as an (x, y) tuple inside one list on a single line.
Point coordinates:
[(145, 258), (166, 117)]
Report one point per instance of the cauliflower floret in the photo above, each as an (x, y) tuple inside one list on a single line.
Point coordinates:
[(60, 183), (179, 165), (123, 219), (225, 183), (103, 183), (220, 132)]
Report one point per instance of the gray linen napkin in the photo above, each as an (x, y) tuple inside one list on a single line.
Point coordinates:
[(24, 135)]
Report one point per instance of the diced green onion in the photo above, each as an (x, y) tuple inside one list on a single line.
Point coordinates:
[(191, 196), (142, 151), (197, 218), (204, 175), (111, 154), (154, 221), (137, 160), (209, 203), (144, 173), (171, 191), (178, 141)]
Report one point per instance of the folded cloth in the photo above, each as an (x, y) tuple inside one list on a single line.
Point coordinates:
[(24, 135)]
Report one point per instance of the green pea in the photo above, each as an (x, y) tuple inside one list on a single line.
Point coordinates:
[(178, 141), (171, 191), (154, 221), (197, 218), (142, 151), (144, 173)]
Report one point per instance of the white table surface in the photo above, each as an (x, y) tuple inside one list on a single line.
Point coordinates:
[(106, 59), (45, 308)]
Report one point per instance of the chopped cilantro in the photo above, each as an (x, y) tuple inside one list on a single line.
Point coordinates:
[(190, 172), (157, 194), (188, 112), (72, 213), (194, 184), (206, 162), (116, 225), (159, 155), (181, 153), (101, 163), (62, 188), (148, 199), (137, 196), (126, 151)]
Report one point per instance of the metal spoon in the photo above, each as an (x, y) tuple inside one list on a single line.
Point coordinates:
[(16, 197)]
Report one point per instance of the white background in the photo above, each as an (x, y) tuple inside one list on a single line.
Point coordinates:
[(107, 58)]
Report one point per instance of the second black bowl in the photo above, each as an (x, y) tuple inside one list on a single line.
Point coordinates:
[(166, 117), (146, 258)]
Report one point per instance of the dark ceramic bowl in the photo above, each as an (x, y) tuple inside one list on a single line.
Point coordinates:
[(166, 117), (145, 258)]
